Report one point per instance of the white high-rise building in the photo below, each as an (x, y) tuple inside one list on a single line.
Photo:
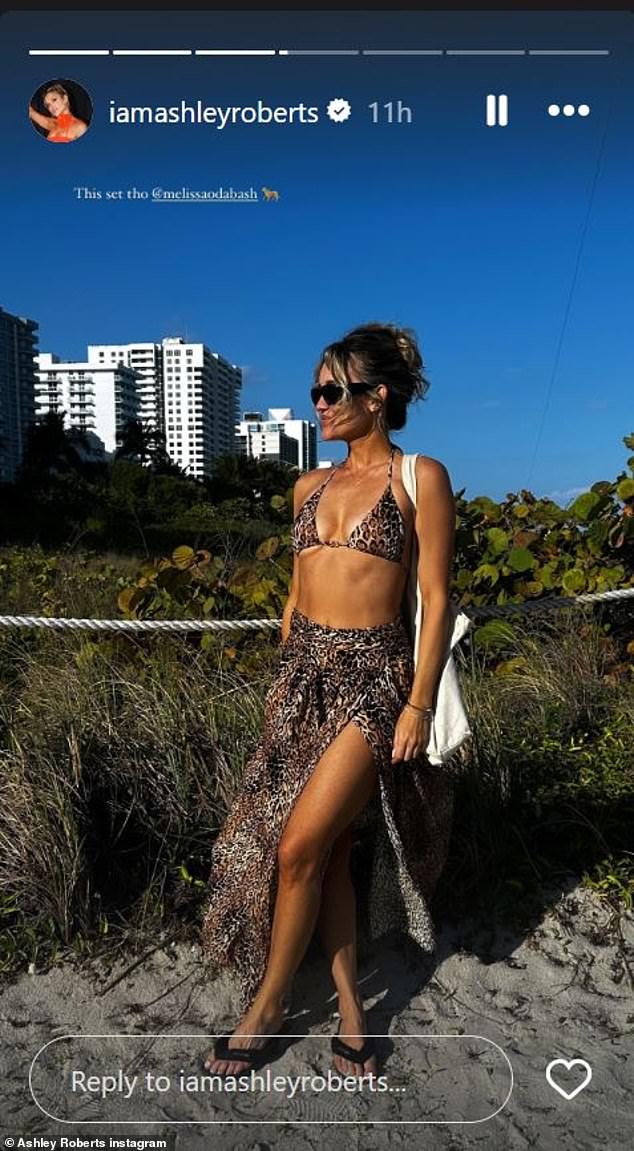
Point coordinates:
[(187, 391), (279, 437), (256, 439), (146, 359), (18, 343), (303, 431), (202, 393), (95, 399)]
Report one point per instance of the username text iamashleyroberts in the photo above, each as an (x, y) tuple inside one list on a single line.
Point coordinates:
[(218, 117)]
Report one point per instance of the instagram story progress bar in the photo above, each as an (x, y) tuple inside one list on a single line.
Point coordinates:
[(123, 52)]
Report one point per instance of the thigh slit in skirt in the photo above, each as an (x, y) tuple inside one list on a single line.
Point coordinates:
[(326, 678)]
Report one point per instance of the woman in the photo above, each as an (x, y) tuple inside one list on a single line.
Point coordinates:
[(346, 723), (61, 125)]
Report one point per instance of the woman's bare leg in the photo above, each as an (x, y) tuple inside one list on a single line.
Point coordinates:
[(337, 925), (339, 788)]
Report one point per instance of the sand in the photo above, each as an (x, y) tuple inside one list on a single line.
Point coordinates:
[(506, 1007)]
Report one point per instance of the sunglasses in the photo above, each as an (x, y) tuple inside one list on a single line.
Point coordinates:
[(332, 393)]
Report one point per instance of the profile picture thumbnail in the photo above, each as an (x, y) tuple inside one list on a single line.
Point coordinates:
[(60, 111)]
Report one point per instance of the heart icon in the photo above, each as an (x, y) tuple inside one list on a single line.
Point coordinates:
[(568, 1063)]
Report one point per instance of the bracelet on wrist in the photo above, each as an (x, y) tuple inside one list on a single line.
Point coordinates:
[(426, 712)]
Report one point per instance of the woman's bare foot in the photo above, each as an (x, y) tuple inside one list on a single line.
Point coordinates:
[(258, 1021), (352, 1031)]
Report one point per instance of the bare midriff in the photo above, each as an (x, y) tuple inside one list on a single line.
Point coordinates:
[(343, 587)]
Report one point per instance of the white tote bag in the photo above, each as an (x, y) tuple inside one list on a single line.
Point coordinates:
[(449, 727)]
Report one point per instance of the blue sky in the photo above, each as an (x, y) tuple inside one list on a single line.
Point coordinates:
[(507, 250)]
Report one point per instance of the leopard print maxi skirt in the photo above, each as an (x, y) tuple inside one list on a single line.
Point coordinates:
[(326, 678)]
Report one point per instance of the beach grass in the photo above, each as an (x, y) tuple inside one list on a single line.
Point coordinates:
[(120, 754)]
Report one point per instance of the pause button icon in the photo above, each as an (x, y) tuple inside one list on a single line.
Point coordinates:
[(497, 111)]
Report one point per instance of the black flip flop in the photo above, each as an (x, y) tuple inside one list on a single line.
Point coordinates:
[(355, 1055), (254, 1057)]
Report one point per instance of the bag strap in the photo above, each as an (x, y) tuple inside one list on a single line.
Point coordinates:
[(408, 475)]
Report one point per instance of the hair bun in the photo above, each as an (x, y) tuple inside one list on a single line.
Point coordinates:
[(408, 348)]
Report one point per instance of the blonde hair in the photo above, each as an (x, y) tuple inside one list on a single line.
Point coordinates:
[(58, 89)]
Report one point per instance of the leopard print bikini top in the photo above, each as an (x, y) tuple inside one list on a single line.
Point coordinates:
[(381, 532)]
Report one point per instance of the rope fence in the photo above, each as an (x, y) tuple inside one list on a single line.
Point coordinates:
[(183, 625)]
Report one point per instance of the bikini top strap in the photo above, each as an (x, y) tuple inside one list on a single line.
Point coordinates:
[(332, 469), (389, 474)]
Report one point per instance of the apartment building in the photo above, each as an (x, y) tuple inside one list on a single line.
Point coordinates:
[(146, 360), (187, 391), (202, 392), (97, 399), (18, 345), (279, 437)]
